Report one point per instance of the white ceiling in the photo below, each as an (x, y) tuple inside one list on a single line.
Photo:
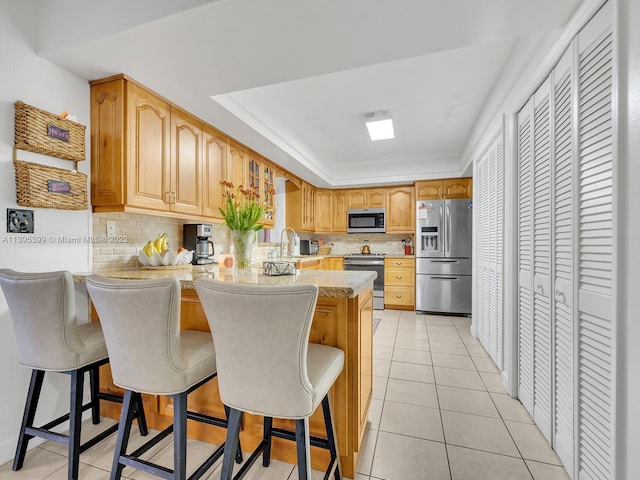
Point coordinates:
[(293, 79)]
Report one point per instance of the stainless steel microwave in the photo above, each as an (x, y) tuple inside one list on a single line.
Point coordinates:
[(366, 220)]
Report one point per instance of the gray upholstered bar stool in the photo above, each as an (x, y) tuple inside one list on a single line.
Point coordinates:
[(150, 354), (49, 339), (266, 365)]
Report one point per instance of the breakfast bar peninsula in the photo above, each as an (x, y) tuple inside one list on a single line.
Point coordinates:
[(343, 318)]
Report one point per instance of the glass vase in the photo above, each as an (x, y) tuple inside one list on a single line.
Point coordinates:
[(242, 241)]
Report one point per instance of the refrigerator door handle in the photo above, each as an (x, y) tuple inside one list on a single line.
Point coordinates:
[(444, 261), (442, 222), (444, 278), (448, 233)]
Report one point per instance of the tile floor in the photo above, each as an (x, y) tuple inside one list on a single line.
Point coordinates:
[(438, 412)]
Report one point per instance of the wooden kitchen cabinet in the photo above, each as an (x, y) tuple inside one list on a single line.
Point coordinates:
[(237, 161), (324, 210), (366, 198), (213, 168), (334, 263), (300, 206), (401, 206), (146, 155), (399, 283), (446, 188), (339, 211)]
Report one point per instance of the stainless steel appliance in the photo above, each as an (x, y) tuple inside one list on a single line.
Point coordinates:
[(195, 236), (366, 220), (443, 256), (369, 263), (309, 247)]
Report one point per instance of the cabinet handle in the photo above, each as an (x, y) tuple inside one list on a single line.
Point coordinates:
[(398, 277), (398, 262), (398, 295)]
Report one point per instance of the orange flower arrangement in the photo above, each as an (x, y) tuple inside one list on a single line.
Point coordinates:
[(243, 210)]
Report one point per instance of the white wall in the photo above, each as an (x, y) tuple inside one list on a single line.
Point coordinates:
[(24, 76)]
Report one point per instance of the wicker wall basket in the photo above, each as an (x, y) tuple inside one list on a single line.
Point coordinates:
[(33, 187), (43, 132)]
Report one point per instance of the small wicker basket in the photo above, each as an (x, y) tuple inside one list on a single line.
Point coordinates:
[(324, 250), (32, 187), (48, 134)]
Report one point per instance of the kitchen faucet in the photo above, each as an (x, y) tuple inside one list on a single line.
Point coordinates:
[(282, 234)]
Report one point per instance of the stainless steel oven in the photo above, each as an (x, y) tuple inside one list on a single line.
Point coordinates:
[(369, 263)]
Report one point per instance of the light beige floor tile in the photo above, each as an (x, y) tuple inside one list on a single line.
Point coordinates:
[(359, 476), (438, 320), (492, 382), (411, 356), (388, 315), (484, 364), (386, 330), (482, 433), (468, 339), (477, 351), (415, 393), (510, 408), (382, 353), (544, 471), (379, 387), (375, 412), (467, 401), (412, 371), (451, 348), (531, 443), (197, 452), (412, 344), (381, 367), (407, 316), (462, 323), (405, 458), (417, 332), (382, 341), (101, 455), (367, 451), (38, 463), (276, 470), (452, 361), (445, 338), (442, 329), (88, 431), (412, 420), (454, 377), (467, 464), (85, 472)]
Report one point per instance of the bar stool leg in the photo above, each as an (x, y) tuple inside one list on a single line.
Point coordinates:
[(35, 387), (75, 420), (331, 436), (94, 384), (180, 436), (231, 444), (239, 452), (302, 449), (124, 430), (266, 437), (139, 414)]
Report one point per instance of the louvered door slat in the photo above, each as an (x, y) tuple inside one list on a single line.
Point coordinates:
[(596, 360), (563, 254)]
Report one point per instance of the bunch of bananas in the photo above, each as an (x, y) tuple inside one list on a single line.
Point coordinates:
[(158, 245)]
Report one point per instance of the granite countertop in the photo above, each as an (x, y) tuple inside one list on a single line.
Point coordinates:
[(331, 283)]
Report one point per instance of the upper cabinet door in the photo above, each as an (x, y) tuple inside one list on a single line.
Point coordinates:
[(400, 209), (356, 198), (339, 211), (457, 188), (236, 164), (213, 170), (186, 163), (429, 190), (376, 197), (148, 156), (324, 211)]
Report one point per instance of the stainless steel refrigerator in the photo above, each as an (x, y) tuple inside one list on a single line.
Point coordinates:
[(443, 256)]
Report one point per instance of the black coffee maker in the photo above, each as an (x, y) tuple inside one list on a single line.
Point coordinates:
[(195, 236)]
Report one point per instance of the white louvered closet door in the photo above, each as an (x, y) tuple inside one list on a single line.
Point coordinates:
[(525, 255), (489, 248), (563, 255), (542, 352), (596, 274)]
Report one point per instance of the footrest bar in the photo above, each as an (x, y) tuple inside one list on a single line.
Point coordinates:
[(152, 442), (200, 417), (146, 466), (287, 435), (98, 438), (254, 456), (207, 464)]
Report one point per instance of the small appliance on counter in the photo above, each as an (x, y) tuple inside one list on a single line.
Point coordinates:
[(195, 236), (309, 247)]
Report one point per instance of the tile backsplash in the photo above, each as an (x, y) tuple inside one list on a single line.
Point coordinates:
[(133, 230)]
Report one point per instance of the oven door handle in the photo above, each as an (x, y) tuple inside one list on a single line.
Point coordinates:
[(363, 264)]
